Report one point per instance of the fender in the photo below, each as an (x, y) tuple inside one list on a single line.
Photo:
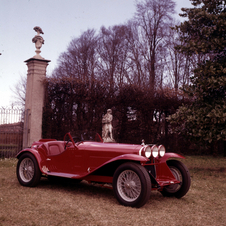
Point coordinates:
[(138, 158), (129, 157), (169, 155), (36, 155)]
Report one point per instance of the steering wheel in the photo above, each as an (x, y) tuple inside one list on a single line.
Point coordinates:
[(75, 139)]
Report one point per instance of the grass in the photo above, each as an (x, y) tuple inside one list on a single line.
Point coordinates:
[(85, 204), (8, 150)]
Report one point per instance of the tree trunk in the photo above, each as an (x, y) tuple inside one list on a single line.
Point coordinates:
[(224, 148), (215, 148)]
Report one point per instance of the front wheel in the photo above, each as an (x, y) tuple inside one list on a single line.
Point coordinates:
[(28, 172), (131, 185), (181, 173)]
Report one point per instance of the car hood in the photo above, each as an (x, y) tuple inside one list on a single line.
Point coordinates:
[(111, 147)]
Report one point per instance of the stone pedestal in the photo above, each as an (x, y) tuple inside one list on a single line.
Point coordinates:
[(34, 100)]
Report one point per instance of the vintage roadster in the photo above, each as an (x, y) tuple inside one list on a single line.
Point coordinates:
[(132, 170)]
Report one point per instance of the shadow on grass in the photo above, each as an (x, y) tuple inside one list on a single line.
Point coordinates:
[(96, 191), (85, 189), (81, 188)]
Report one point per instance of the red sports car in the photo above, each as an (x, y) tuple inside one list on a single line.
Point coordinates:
[(133, 170)]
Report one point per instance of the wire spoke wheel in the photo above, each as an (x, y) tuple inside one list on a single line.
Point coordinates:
[(177, 174), (129, 185), (181, 173), (26, 170)]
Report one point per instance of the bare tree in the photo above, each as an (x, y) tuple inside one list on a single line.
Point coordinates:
[(175, 61), (79, 61), (153, 18), (135, 61), (112, 52), (19, 91)]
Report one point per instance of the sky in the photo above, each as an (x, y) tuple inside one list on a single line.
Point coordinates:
[(61, 21)]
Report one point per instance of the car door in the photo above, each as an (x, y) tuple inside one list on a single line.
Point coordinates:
[(58, 158)]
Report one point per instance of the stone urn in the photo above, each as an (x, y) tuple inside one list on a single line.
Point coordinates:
[(38, 40)]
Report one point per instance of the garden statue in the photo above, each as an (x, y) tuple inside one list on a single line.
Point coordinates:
[(107, 127), (38, 40)]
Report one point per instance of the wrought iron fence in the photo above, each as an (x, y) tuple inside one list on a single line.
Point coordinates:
[(11, 131)]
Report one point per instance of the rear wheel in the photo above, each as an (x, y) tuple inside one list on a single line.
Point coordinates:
[(131, 185), (181, 173), (28, 172)]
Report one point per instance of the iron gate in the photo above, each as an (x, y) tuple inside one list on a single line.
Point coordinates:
[(11, 131)]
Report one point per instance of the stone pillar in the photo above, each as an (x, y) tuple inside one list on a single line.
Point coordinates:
[(34, 96)]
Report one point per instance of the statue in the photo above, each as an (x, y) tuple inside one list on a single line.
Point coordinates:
[(107, 127), (38, 40)]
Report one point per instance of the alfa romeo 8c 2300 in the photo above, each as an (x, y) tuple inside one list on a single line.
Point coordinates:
[(132, 170)]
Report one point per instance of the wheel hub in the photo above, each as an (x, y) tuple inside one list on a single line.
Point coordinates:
[(130, 184)]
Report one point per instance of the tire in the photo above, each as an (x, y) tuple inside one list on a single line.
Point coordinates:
[(181, 173), (131, 185), (28, 172)]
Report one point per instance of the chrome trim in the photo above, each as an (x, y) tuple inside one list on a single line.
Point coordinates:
[(141, 149)]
